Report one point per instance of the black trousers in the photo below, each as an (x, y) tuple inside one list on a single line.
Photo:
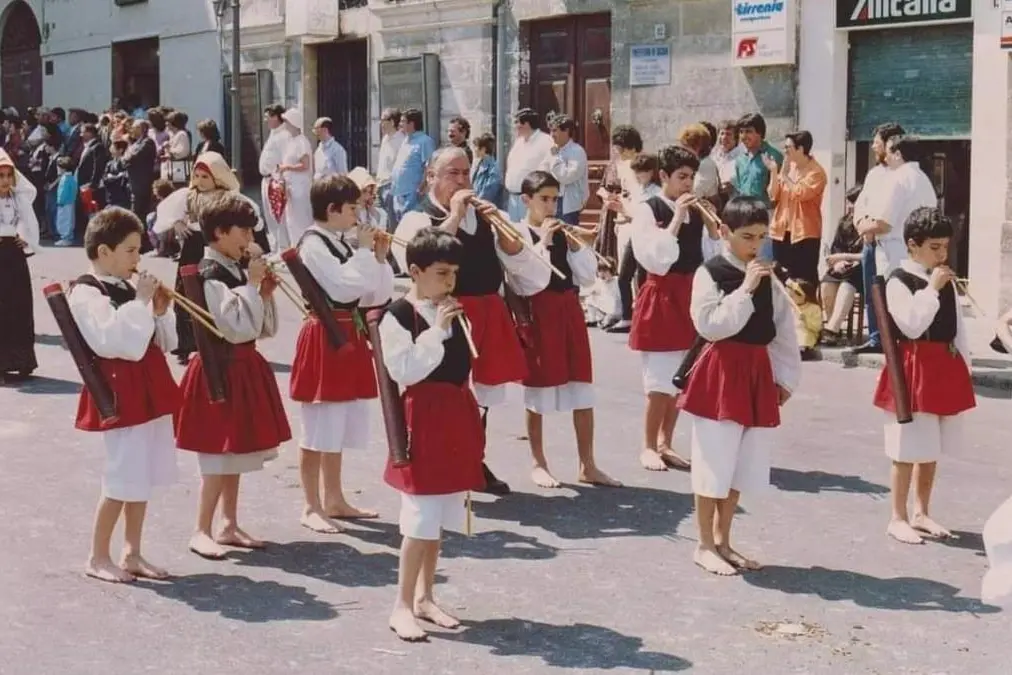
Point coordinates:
[(800, 259), (628, 270)]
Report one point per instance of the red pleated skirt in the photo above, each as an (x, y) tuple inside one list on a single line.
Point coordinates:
[(500, 357), (661, 321), (446, 441), (322, 373), (251, 419), (144, 390), (733, 381), (559, 348), (937, 378)]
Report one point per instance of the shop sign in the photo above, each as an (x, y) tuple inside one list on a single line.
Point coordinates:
[(649, 65), (762, 32), (867, 13)]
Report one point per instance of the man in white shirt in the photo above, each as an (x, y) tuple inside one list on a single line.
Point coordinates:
[(330, 157), (725, 151), (270, 159), (904, 188), (568, 163), (390, 121), (530, 149)]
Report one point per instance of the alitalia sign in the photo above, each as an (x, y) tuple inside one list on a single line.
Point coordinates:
[(865, 13)]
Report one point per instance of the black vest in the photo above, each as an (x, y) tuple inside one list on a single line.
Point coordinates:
[(690, 236), (559, 255), (760, 329), (342, 257), (455, 367), (211, 270), (943, 326), (119, 295), (480, 272)]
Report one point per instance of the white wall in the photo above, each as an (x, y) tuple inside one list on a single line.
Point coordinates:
[(988, 155), (822, 101), (79, 80), (190, 80)]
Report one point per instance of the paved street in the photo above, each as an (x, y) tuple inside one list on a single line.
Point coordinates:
[(576, 580)]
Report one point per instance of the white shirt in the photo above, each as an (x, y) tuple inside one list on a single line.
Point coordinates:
[(582, 262), (17, 217), (725, 159), (525, 273), (569, 166), (388, 155), (361, 278), (906, 188), (526, 156), (239, 313), (122, 332), (270, 156), (654, 247), (718, 317), (329, 158), (875, 184), (294, 149), (914, 312), (410, 360), (707, 180)]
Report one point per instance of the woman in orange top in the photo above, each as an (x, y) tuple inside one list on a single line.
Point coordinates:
[(796, 191)]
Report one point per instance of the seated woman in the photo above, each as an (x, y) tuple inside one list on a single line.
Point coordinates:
[(841, 281)]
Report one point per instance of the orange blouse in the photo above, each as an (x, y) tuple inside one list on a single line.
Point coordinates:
[(798, 200)]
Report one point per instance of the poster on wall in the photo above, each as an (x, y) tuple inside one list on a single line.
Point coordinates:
[(762, 32), (1006, 25), (649, 65)]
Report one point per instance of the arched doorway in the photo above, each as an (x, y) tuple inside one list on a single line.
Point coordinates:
[(20, 58)]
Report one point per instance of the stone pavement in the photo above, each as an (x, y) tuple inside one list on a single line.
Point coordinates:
[(577, 580)]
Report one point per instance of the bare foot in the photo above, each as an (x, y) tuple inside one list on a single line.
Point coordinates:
[(141, 568), (652, 460), (317, 522), (427, 610), (711, 561), (206, 547), (346, 511), (234, 536), (403, 622), (926, 524), (107, 570), (542, 478), (672, 459), (901, 531), (737, 559), (594, 476)]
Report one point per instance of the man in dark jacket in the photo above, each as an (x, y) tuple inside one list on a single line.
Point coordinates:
[(140, 163), (94, 157)]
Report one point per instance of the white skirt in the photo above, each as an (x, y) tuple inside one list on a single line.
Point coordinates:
[(231, 465), (659, 369), (333, 427), (564, 398), (139, 459), (924, 439), (489, 396)]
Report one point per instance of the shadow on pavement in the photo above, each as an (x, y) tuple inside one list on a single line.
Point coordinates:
[(334, 562), (594, 512), (577, 645), (241, 598), (967, 541), (898, 593), (46, 385), (50, 340), (487, 545), (814, 482), (280, 368)]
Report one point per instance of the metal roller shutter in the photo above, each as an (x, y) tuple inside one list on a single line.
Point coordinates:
[(918, 77)]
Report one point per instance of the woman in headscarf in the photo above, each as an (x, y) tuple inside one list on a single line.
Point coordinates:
[(180, 212), (296, 169), (19, 235)]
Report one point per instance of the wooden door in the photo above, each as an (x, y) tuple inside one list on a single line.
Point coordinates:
[(343, 95), (569, 71), (21, 59)]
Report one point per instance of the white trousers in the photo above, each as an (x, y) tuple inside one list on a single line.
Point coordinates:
[(333, 427), (139, 459), (426, 516), (922, 440), (727, 456), (658, 370)]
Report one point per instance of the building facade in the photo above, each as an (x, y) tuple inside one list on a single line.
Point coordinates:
[(936, 67)]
